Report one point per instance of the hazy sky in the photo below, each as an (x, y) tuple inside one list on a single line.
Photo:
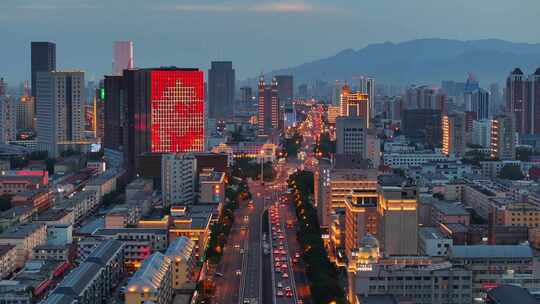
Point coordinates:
[(257, 35)]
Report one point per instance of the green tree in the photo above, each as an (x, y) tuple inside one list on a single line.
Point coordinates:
[(511, 172)]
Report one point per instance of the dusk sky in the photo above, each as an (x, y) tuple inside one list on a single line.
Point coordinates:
[(257, 35)]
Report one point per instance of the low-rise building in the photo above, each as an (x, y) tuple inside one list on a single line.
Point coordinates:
[(25, 237), (41, 199), (490, 263), (140, 243), (7, 260), (48, 252), (104, 183), (406, 160), (82, 203), (16, 215), (193, 226), (212, 187), (95, 279), (432, 242), (181, 252), (56, 217), (12, 182), (152, 283)]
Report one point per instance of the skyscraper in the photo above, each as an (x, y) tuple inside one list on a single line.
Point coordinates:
[(122, 57), (60, 110), (99, 111), (221, 81), (269, 110), (43, 59), (533, 85), (503, 137), (478, 101), (423, 125), (516, 102), (26, 113), (355, 104), (8, 116), (350, 135), (114, 113), (367, 86), (453, 127), (164, 112), (285, 85)]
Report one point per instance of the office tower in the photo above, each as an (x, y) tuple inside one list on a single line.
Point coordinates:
[(423, 125), (453, 88), (221, 81), (3, 87), (471, 84), (246, 94), (398, 216), (114, 112), (425, 97), (269, 109), (285, 85), (122, 57), (503, 137), (453, 128), (164, 112), (361, 216), (355, 104), (478, 101), (60, 110), (8, 119), (43, 59), (178, 178), (99, 112), (26, 113), (303, 90), (533, 84), (367, 86), (516, 102), (350, 135), (481, 133), (496, 99)]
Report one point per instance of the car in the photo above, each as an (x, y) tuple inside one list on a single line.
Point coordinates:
[(238, 272), (285, 275), (279, 293), (289, 294), (279, 284), (297, 255), (237, 246), (283, 266), (295, 260), (288, 288), (283, 252), (281, 237), (219, 274), (277, 269)]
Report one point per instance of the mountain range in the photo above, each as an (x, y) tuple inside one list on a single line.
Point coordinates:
[(426, 61)]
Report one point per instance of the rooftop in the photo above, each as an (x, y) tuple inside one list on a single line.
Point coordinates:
[(114, 231), (151, 273), (510, 294), (491, 251), (181, 247), (450, 208), (430, 233), (52, 215), (5, 248), (20, 231)]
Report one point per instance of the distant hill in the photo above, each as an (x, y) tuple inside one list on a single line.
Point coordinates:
[(423, 61)]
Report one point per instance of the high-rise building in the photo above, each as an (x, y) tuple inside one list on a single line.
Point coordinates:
[(122, 57), (471, 84), (503, 137), (221, 81), (398, 215), (367, 86), (43, 59), (8, 119), (478, 101), (351, 135), (355, 104), (425, 97), (533, 90), (178, 178), (26, 113), (516, 102), (3, 87), (114, 112), (285, 85), (423, 125), (361, 216), (246, 94), (481, 133), (303, 90), (99, 112), (453, 137), (164, 112), (60, 110), (269, 109), (495, 103)]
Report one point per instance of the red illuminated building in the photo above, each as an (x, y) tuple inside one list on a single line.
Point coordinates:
[(164, 112)]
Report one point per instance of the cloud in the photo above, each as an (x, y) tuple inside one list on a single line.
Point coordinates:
[(275, 7)]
